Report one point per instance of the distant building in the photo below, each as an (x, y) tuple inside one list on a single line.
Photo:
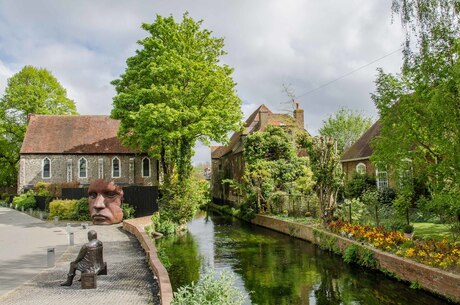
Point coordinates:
[(228, 161), (357, 159), (80, 148)]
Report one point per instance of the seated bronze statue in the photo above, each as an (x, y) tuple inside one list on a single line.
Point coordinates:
[(89, 259)]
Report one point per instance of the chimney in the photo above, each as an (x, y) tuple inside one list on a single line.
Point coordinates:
[(298, 116), (263, 118)]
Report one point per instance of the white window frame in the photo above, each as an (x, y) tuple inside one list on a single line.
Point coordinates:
[(100, 168), (150, 167), (79, 168), (43, 168), (381, 183), (119, 167), (361, 165)]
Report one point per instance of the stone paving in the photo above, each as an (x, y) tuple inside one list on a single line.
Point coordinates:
[(129, 280)]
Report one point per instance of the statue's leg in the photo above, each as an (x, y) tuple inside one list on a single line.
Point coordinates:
[(70, 275)]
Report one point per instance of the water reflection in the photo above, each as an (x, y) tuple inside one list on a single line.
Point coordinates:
[(278, 269)]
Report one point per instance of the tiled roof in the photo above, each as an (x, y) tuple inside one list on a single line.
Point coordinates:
[(68, 134), (361, 149), (252, 125)]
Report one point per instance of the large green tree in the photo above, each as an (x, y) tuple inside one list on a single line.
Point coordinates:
[(174, 92), (30, 91), (345, 126), (420, 107)]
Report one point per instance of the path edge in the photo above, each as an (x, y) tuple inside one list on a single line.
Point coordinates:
[(136, 227)]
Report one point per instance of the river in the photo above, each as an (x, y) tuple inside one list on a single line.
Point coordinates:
[(275, 269)]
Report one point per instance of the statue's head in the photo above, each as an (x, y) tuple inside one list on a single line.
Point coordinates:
[(92, 235), (104, 201)]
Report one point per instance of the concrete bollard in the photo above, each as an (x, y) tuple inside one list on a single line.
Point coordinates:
[(68, 228), (70, 238), (22, 209), (11, 205), (31, 211), (41, 215), (56, 220), (50, 257)]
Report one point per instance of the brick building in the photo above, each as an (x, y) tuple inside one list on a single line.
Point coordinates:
[(357, 159), (80, 148), (228, 161)]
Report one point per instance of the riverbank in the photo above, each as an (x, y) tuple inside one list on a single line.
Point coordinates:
[(436, 281)]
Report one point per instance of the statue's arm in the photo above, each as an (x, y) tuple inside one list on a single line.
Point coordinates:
[(81, 254)]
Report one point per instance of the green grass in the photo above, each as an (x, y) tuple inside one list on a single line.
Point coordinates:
[(427, 230)]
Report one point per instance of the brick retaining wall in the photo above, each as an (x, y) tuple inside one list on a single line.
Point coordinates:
[(136, 227), (434, 280)]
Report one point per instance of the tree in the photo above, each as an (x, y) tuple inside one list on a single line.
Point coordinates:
[(325, 163), (345, 126), (420, 107), (174, 92), (273, 168), (30, 91)]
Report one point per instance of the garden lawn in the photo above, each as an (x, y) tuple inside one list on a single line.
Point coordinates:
[(427, 230)]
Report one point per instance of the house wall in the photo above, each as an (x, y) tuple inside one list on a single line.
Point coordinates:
[(349, 168), (30, 169), (227, 167)]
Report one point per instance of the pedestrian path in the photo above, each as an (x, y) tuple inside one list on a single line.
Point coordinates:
[(129, 280)]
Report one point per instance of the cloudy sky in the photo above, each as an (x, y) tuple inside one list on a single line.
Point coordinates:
[(301, 43)]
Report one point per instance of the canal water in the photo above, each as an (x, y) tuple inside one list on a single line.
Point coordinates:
[(273, 268)]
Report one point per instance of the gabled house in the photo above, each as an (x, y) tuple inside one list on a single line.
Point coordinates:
[(357, 159), (228, 161), (80, 148)]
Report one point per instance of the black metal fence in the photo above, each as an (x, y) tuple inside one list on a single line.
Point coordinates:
[(144, 199)]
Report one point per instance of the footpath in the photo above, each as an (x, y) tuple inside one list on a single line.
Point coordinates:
[(25, 278)]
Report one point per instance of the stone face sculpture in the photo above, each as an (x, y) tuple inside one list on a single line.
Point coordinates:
[(89, 259), (104, 201)]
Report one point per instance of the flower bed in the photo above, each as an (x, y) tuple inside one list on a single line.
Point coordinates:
[(440, 254)]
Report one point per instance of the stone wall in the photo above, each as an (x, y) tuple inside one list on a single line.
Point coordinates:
[(98, 166), (431, 279)]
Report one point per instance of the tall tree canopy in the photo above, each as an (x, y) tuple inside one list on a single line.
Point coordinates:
[(174, 92), (30, 91), (420, 107), (345, 126)]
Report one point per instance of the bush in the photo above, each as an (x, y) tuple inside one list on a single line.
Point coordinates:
[(163, 225), (210, 291), (128, 211), (42, 189), (81, 210), (5, 196), (408, 229), (26, 200), (358, 184), (65, 209)]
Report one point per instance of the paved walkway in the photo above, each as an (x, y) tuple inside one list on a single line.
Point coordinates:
[(26, 239)]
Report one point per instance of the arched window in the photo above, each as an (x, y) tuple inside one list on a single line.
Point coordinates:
[(146, 167), (116, 168), (82, 168), (46, 168), (361, 168)]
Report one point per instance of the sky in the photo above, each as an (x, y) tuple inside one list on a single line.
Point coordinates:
[(325, 51)]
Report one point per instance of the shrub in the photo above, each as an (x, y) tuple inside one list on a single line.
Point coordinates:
[(81, 210), (5, 196), (128, 211), (42, 189), (26, 200), (62, 208), (210, 291), (163, 225), (358, 184), (408, 229)]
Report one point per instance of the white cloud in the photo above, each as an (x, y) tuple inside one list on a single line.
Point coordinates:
[(269, 43)]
